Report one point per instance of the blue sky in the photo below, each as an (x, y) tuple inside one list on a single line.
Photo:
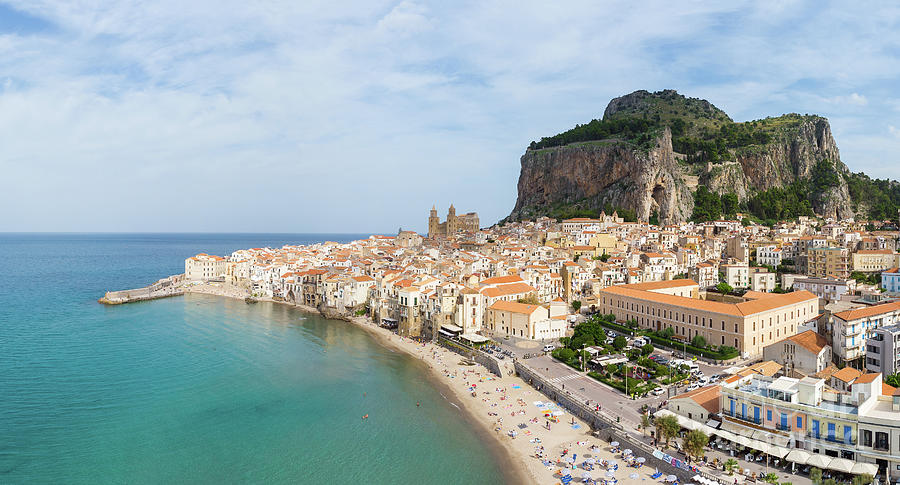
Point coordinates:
[(322, 116)]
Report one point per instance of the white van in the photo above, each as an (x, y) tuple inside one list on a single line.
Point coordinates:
[(549, 348)]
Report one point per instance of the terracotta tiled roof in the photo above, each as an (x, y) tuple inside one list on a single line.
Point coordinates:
[(740, 309), (847, 374), (866, 378), (810, 341), (868, 311), (514, 307), (707, 397)]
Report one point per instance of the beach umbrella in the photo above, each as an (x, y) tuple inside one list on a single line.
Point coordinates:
[(614, 444), (591, 461), (570, 459), (641, 459), (558, 413), (612, 464), (627, 451), (611, 474), (586, 476), (671, 478), (633, 476)]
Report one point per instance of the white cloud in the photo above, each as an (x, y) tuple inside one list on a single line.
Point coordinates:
[(855, 99), (360, 115)]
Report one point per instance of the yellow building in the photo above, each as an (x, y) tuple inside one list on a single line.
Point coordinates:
[(872, 260), (748, 326), (825, 262)]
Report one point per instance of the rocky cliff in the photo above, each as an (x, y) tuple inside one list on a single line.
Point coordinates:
[(631, 160)]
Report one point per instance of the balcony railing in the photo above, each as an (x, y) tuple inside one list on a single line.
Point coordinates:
[(780, 427), (832, 439), (743, 418)]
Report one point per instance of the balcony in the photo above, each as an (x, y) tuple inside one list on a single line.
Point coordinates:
[(839, 440), (780, 427), (746, 419)]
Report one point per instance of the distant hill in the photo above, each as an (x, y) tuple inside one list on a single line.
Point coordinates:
[(669, 157)]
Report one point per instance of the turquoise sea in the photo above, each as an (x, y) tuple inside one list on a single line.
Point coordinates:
[(200, 389)]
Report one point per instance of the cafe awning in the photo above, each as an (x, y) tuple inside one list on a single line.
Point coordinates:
[(451, 328), (798, 456), (474, 338)]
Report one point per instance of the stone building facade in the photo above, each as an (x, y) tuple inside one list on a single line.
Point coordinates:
[(453, 225)]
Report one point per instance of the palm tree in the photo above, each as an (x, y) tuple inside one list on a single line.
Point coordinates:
[(667, 427), (645, 423), (730, 464), (694, 443)]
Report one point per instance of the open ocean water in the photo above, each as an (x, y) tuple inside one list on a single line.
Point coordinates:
[(200, 389)]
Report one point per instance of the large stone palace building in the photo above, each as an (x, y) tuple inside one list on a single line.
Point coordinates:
[(454, 224)]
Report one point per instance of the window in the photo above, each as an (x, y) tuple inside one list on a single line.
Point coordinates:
[(882, 442), (799, 422), (768, 415)]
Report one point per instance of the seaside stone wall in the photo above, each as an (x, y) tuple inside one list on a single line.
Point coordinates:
[(161, 289), (490, 363)]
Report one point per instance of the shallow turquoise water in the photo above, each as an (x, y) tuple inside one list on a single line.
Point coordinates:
[(200, 389)]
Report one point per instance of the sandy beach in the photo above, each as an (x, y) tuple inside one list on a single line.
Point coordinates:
[(503, 410)]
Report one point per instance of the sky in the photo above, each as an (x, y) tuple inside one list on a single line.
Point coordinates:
[(324, 116)]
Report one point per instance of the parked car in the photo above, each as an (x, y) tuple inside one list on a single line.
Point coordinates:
[(657, 391), (655, 357), (549, 348)]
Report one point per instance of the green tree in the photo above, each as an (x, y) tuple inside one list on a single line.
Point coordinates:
[(724, 288), (699, 341), (589, 328), (694, 444), (771, 478), (647, 349), (864, 479), (730, 205), (529, 299), (707, 205), (668, 332), (565, 355), (893, 380), (815, 474), (576, 305), (667, 427), (620, 342), (645, 424)]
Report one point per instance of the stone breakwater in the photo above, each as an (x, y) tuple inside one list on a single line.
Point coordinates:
[(164, 288)]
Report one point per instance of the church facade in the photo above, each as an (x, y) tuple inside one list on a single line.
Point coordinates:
[(453, 225)]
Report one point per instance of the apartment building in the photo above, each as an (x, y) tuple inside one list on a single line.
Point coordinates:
[(890, 280), (736, 275), (828, 262), (830, 289), (769, 255), (883, 350), (748, 326), (850, 329)]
